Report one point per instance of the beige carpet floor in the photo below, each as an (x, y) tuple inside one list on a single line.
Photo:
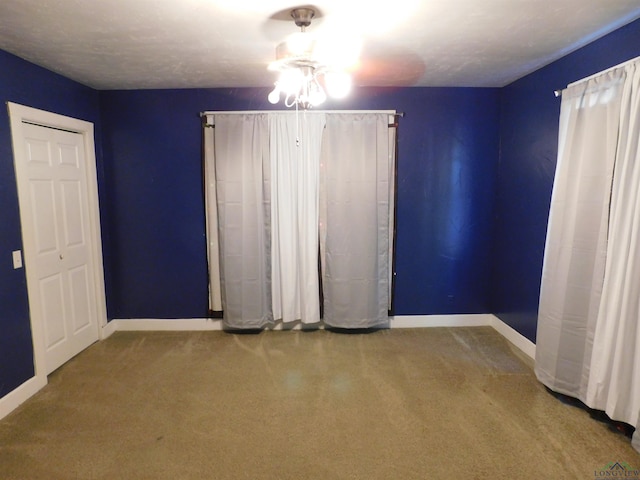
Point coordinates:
[(394, 404)]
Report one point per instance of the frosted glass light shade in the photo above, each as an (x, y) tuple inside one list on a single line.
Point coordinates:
[(338, 84)]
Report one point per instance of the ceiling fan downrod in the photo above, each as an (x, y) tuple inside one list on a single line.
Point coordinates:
[(302, 17)]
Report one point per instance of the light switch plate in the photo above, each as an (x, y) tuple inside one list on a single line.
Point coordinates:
[(17, 259)]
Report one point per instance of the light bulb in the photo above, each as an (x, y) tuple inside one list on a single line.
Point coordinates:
[(274, 96), (316, 95), (291, 81), (338, 84)]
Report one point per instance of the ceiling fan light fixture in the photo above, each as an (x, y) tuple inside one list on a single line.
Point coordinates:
[(302, 60)]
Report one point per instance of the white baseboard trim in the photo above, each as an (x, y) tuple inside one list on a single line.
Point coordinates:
[(516, 338), (163, 325), (107, 330), (479, 320), (18, 396), (401, 321), (198, 324), (428, 321)]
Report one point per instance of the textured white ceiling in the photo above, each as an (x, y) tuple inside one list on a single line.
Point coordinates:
[(140, 44)]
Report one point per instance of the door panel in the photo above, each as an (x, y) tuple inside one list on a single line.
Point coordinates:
[(38, 152), (71, 206), (80, 308), (52, 294), (69, 155), (59, 250), (44, 224)]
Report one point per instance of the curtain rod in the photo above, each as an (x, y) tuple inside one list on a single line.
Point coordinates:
[(213, 112), (558, 93)]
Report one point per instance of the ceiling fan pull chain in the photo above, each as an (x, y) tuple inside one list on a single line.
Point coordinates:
[(297, 127)]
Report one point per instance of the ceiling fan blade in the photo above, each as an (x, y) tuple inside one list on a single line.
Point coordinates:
[(389, 66)]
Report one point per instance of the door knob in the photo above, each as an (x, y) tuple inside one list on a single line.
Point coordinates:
[(61, 256)]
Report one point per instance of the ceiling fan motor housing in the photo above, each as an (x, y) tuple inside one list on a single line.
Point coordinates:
[(302, 16)]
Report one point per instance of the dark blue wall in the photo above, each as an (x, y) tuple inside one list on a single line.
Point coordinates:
[(529, 137), (27, 84), (152, 149)]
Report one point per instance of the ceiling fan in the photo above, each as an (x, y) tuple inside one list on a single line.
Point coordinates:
[(310, 67)]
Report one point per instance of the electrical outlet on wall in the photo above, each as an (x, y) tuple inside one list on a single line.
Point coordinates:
[(17, 259)]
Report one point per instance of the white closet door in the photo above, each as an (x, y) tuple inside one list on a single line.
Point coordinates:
[(52, 184)]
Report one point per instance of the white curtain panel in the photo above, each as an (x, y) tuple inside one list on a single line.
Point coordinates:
[(576, 242), (588, 343), (295, 157), (614, 380), (242, 172), (356, 188)]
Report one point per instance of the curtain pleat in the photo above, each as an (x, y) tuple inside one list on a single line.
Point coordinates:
[(392, 207), (211, 212)]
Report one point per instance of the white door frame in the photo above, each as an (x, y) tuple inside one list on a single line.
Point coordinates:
[(17, 115)]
